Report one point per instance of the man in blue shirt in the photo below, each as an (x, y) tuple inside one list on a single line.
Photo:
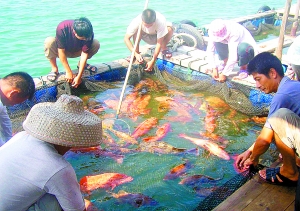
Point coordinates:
[(267, 71), (15, 88)]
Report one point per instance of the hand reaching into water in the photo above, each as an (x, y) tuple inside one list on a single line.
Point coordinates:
[(69, 77), (241, 160), (139, 58), (149, 65)]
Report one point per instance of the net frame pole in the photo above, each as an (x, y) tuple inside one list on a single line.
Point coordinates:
[(130, 63)]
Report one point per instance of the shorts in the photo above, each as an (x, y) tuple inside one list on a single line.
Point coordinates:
[(51, 51), (243, 56), (222, 50), (47, 202), (296, 69), (286, 124), (151, 39)]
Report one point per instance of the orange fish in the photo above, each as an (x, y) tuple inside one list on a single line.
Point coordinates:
[(177, 171), (208, 145), (123, 136), (164, 99), (160, 133), (144, 127), (147, 83), (105, 180), (89, 206), (85, 149), (210, 119)]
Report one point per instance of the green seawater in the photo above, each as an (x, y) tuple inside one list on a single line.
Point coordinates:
[(24, 25), (149, 165)]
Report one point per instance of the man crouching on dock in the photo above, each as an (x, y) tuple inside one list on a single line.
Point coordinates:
[(155, 30), (283, 122)]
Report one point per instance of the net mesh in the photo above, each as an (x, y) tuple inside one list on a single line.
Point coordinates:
[(228, 188), (240, 97)]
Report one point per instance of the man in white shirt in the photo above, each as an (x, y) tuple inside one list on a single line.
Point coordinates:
[(293, 56), (155, 30), (234, 44)]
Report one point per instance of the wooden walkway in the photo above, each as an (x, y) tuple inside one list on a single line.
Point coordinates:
[(257, 195)]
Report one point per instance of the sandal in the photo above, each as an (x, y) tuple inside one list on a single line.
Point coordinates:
[(52, 76), (91, 68), (167, 53), (243, 74), (272, 176)]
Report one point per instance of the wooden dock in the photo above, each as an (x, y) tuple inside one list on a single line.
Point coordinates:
[(258, 195)]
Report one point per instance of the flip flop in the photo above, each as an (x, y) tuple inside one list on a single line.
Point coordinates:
[(167, 53), (243, 74), (91, 68), (272, 175), (52, 76)]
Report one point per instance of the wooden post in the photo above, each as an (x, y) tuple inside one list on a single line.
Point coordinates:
[(278, 51), (296, 22)]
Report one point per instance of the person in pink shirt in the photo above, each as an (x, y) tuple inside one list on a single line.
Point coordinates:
[(233, 44)]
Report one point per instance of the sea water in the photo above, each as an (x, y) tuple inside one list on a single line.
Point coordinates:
[(24, 25), (148, 167)]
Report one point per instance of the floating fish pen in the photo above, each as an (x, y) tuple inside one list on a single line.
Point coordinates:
[(175, 140), (184, 161)]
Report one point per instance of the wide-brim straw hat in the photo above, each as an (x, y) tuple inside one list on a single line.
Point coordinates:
[(64, 122), (217, 31)]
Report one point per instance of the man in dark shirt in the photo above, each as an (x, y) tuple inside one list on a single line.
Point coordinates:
[(74, 38)]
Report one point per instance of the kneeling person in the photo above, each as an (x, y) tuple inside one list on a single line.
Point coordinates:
[(74, 38), (33, 159), (155, 30)]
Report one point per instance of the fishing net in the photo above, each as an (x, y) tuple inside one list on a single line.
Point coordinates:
[(50, 93), (228, 188), (247, 100)]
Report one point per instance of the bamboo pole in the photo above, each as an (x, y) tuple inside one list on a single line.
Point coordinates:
[(278, 51), (297, 10), (130, 63)]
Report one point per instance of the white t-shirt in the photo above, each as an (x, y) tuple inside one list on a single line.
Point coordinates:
[(159, 27), (236, 35), (293, 52), (5, 125), (31, 168)]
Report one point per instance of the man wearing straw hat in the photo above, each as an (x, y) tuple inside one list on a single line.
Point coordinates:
[(155, 30), (15, 88), (34, 174)]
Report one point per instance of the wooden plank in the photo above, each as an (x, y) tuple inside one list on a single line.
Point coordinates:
[(291, 207), (271, 45), (291, 13), (273, 198), (254, 16), (243, 196), (258, 195)]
